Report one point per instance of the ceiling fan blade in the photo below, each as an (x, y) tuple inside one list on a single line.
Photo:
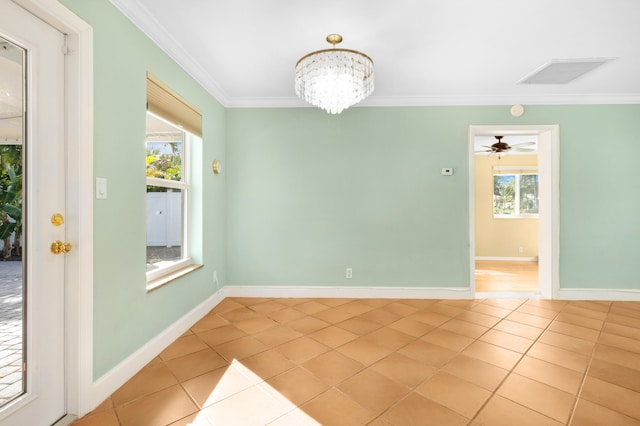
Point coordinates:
[(523, 144), (523, 149)]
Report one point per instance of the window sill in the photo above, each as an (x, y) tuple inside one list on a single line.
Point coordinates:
[(171, 276), (516, 216)]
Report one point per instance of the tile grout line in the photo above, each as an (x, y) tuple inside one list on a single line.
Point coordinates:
[(412, 389), (516, 365), (490, 328), (507, 375), (439, 369), (471, 420), (365, 367), (586, 372), (297, 365)]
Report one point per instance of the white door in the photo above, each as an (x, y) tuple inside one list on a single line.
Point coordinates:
[(40, 396)]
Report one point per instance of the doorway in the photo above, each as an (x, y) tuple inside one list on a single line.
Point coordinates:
[(33, 190), (523, 261), (79, 395)]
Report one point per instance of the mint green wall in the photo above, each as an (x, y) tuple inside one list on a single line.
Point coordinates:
[(125, 315), (600, 196), (311, 194)]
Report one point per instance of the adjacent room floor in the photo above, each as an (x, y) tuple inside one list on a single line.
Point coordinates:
[(392, 362), (497, 276)]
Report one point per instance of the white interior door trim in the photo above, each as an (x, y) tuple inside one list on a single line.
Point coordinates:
[(549, 168), (79, 183)]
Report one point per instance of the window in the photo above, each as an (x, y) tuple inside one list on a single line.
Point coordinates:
[(170, 123), (515, 195)]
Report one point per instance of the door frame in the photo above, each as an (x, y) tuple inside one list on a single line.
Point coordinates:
[(549, 223), (79, 186)]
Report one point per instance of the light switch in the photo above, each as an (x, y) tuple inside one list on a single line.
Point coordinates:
[(101, 188), (447, 171)]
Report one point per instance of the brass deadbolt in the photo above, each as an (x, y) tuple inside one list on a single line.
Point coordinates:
[(57, 219)]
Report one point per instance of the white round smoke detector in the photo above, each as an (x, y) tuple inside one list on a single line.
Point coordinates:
[(517, 110)]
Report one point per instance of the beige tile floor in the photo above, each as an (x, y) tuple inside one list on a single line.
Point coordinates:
[(392, 362)]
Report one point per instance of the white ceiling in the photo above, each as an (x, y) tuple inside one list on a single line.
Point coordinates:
[(429, 52)]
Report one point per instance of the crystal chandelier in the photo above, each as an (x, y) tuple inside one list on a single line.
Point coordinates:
[(334, 79)]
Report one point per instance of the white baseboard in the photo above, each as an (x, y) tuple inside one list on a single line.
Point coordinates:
[(116, 377), (349, 292), (417, 292), (598, 294), (508, 259), (67, 420), (507, 295)]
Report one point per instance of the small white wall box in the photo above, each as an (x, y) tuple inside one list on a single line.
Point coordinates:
[(447, 171), (101, 188)]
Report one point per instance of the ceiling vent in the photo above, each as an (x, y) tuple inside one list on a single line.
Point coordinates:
[(563, 71)]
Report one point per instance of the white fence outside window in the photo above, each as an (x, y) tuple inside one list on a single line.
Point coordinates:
[(164, 210)]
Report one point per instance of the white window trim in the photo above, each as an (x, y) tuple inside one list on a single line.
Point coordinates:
[(172, 184), (514, 168), (516, 171), (185, 186), (167, 270)]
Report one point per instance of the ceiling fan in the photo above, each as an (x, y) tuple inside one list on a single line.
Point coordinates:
[(501, 147)]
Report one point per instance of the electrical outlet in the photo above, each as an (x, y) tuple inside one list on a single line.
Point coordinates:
[(349, 273), (520, 249)]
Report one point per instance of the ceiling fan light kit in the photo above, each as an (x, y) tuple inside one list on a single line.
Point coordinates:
[(500, 146), (334, 79)]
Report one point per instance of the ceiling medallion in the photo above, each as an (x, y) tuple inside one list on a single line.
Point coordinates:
[(334, 79)]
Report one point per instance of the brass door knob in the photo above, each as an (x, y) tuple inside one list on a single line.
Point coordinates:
[(58, 247)]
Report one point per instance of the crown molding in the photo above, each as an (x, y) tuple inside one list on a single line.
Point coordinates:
[(479, 100), (453, 100), (143, 20)]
